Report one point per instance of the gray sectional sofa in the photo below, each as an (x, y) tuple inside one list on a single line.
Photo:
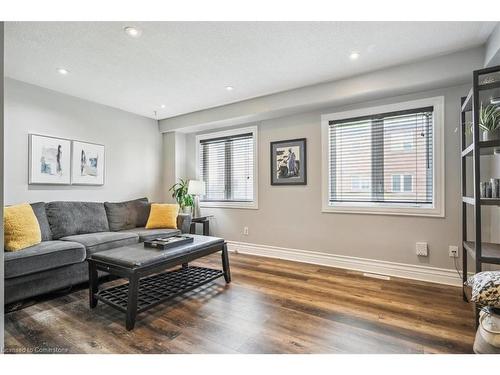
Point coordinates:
[(71, 231)]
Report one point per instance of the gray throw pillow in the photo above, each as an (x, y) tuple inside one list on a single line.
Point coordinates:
[(70, 218), (143, 210), (126, 215), (41, 215)]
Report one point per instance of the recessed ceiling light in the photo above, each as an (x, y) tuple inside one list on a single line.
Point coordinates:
[(62, 71), (229, 88), (134, 32), (163, 106), (354, 55)]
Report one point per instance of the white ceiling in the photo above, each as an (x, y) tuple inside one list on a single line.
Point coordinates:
[(186, 65)]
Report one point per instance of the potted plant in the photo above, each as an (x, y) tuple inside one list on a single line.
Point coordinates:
[(180, 194), (489, 122)]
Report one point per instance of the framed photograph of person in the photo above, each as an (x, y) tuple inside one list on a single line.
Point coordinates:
[(289, 162), (49, 160), (87, 164)]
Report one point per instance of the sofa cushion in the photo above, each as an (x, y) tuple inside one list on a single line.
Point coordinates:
[(101, 241), (163, 216), (34, 284), (125, 215), (143, 210), (43, 256), (149, 234), (41, 215), (72, 218), (21, 227)]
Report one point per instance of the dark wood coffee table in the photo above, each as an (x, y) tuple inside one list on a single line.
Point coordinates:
[(147, 285)]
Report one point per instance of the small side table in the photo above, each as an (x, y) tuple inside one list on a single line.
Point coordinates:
[(205, 220)]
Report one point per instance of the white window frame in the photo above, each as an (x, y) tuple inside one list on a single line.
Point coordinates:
[(438, 209), (227, 133)]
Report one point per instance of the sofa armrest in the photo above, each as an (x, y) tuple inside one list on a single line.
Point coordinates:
[(184, 222)]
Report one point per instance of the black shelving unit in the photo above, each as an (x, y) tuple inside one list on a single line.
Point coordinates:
[(486, 84)]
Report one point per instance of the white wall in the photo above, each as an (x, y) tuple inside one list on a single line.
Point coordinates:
[(492, 50), (291, 217), (174, 162), (133, 145), (169, 161)]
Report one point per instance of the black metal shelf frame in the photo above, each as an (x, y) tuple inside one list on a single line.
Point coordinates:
[(479, 251)]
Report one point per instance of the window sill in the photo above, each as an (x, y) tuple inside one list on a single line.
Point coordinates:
[(243, 205), (396, 211)]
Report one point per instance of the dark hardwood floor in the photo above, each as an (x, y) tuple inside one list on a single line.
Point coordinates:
[(272, 306)]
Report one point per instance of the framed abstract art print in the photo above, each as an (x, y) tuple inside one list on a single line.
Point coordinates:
[(49, 160)]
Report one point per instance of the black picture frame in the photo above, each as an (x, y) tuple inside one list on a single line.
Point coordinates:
[(299, 176)]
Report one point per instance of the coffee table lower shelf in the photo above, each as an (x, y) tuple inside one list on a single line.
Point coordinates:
[(159, 288)]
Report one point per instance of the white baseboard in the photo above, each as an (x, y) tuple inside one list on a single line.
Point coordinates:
[(407, 271)]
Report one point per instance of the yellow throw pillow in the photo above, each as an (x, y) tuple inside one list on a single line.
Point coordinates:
[(163, 216), (21, 228)]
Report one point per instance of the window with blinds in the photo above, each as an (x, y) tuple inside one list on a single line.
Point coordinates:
[(226, 164), (382, 160)]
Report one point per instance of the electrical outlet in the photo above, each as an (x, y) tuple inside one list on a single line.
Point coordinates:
[(421, 249), (453, 251), (245, 231)]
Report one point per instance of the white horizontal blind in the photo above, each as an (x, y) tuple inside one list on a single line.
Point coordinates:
[(226, 166), (384, 159)]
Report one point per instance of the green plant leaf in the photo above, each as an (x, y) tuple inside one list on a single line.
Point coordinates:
[(489, 118), (180, 193)]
